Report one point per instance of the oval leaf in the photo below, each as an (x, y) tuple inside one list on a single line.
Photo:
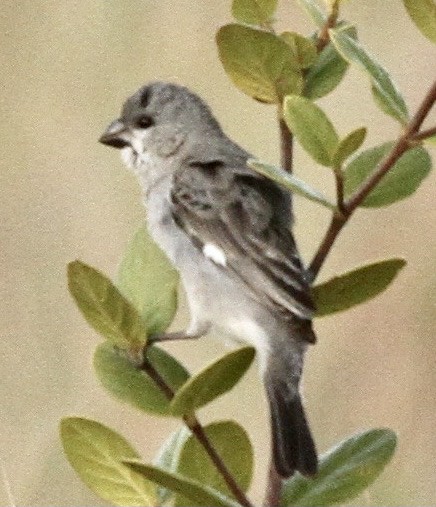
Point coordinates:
[(254, 12), (259, 63), (168, 457), (318, 16), (104, 307), (290, 182), (400, 182), (215, 380), (96, 454), (344, 472), (423, 14), (304, 49), (199, 494), (233, 446), (148, 280), (347, 146), (129, 384), (327, 71), (387, 95), (312, 128), (325, 74), (355, 287)]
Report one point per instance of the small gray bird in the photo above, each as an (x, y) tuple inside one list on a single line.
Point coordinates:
[(227, 230)]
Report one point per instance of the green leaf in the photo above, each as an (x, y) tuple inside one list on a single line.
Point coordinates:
[(168, 457), (213, 381), (423, 14), (201, 495), (290, 182), (254, 12), (430, 140), (388, 98), (355, 287), (347, 146), (303, 48), (96, 454), (233, 446), (259, 63), (148, 280), (312, 8), (131, 385), (344, 472), (325, 74), (104, 308), (328, 70), (312, 128), (400, 182)]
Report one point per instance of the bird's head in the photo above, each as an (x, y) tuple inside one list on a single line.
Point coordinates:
[(157, 119)]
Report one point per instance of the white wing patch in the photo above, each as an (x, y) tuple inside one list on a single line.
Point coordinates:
[(215, 254)]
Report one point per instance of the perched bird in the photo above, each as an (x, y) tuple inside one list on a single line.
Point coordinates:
[(227, 230)]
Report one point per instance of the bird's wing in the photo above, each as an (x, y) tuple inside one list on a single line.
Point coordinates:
[(239, 221)]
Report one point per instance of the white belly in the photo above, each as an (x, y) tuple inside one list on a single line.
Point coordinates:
[(214, 297)]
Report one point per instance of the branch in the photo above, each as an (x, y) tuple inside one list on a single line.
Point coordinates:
[(404, 143), (198, 431), (424, 134), (323, 36), (339, 177), (274, 487), (286, 147)]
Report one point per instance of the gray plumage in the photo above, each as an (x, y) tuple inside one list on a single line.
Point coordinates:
[(227, 231)]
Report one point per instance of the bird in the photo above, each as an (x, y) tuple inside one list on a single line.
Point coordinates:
[(228, 231)]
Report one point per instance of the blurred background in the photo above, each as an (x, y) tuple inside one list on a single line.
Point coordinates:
[(66, 68)]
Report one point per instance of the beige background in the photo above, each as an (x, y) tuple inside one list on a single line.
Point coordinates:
[(66, 67)]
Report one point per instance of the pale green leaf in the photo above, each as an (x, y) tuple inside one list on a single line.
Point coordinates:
[(355, 287), (344, 472), (148, 280), (168, 457), (201, 495), (254, 12), (213, 381), (259, 63), (312, 8), (96, 453), (303, 48), (423, 14), (400, 182), (291, 182), (233, 446), (131, 385), (104, 307), (347, 146), (386, 94), (312, 128)]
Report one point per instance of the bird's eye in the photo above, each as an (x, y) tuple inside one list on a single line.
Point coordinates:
[(144, 122)]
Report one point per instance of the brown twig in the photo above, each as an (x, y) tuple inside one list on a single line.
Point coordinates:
[(286, 146), (424, 134), (274, 487), (323, 36), (404, 143), (198, 431), (339, 177)]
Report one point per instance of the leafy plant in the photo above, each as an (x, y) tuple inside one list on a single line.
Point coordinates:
[(213, 465)]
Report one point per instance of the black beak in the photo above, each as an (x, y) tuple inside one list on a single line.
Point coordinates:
[(115, 135)]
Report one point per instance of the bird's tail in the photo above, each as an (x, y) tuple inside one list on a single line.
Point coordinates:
[(292, 443)]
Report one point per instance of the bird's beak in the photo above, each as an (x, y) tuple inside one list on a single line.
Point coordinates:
[(116, 135)]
